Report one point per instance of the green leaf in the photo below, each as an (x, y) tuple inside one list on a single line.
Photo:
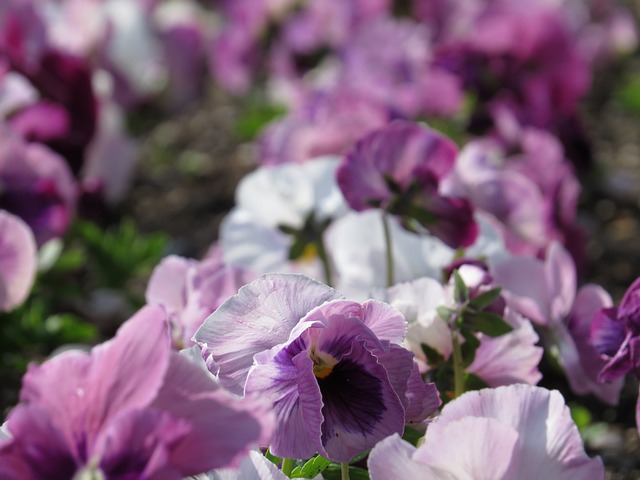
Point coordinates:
[(460, 289), (412, 435), (488, 323), (629, 94), (473, 382), (445, 313), (485, 299), (298, 247), (470, 345), (272, 458), (333, 473), (312, 468), (254, 117), (581, 415), (434, 357)]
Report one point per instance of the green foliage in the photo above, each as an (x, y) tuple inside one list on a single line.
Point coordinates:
[(255, 115), (311, 468), (355, 473), (628, 94)]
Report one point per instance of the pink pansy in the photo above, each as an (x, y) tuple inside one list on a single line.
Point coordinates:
[(545, 292), (17, 261), (399, 168), (515, 432), (129, 407), (333, 369), (36, 185), (190, 291)]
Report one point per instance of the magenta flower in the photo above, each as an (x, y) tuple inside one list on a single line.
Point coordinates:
[(334, 370), (515, 432), (398, 168), (129, 409), (615, 333), (17, 261), (190, 291)]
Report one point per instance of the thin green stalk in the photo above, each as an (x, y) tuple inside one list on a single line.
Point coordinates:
[(326, 267), (389, 247), (344, 470), (458, 366), (287, 466)]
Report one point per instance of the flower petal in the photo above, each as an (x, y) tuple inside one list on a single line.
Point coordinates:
[(17, 261)]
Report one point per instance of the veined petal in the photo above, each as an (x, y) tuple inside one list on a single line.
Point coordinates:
[(392, 458), (285, 379), (385, 321), (259, 317)]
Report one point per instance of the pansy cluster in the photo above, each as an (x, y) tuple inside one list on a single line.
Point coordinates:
[(380, 298)]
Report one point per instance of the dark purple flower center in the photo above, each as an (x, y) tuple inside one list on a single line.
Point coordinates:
[(352, 399)]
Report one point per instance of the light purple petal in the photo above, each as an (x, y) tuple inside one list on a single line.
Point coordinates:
[(561, 280), (472, 448), (254, 467), (17, 261), (167, 285), (423, 398), (392, 458), (509, 358), (260, 316), (550, 445), (287, 382)]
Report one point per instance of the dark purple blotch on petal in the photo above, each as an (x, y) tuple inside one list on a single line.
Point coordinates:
[(352, 398)]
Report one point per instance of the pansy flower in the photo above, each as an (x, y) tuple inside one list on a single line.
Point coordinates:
[(131, 408), (398, 168), (515, 432), (334, 370)]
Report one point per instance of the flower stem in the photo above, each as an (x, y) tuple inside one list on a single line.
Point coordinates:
[(458, 366), (389, 245), (344, 470), (326, 267), (287, 466)]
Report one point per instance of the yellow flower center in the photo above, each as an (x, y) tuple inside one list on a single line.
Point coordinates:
[(322, 364)]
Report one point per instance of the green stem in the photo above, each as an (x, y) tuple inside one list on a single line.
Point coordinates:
[(287, 466), (326, 267), (344, 470), (458, 366), (389, 246)]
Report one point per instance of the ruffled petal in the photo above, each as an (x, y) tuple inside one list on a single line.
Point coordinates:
[(392, 458), (259, 317)]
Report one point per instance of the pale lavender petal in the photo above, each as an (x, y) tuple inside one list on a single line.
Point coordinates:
[(472, 448), (550, 445), (509, 358), (260, 316), (167, 285), (17, 261), (385, 321), (561, 280), (254, 467), (524, 282), (579, 358), (392, 458)]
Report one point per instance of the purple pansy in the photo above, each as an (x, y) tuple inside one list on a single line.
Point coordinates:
[(398, 168), (518, 431), (334, 370), (545, 292), (17, 261), (36, 185), (129, 409), (615, 333)]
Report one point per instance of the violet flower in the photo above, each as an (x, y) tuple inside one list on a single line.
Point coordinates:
[(518, 431), (333, 369), (129, 409), (398, 168), (36, 185), (545, 292), (615, 334), (17, 261)]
